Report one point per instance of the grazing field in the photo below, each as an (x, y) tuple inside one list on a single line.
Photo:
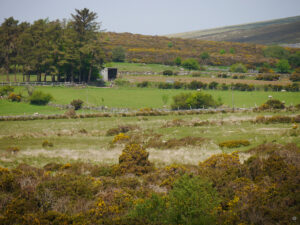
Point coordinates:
[(135, 98)]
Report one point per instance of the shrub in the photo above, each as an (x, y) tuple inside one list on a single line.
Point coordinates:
[(194, 85), (213, 85), (143, 84), (77, 104), (70, 113), (178, 85), (272, 104), (121, 137), (234, 143), (222, 75), (295, 77), (40, 98), (190, 64), (222, 51), (134, 159), (268, 77), (168, 72), (6, 90), (46, 143), (193, 100), (238, 68), (165, 85), (14, 97), (120, 129), (192, 201)]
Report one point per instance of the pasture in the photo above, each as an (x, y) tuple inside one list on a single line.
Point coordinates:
[(135, 98)]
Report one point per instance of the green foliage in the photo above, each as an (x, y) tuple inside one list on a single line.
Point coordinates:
[(294, 59), (168, 72), (222, 51), (77, 104), (6, 90), (40, 98), (170, 44), (238, 68), (195, 100), (190, 64), (283, 66), (276, 52), (232, 50), (151, 211), (118, 54), (192, 201), (177, 61)]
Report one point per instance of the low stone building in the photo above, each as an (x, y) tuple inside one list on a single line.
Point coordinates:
[(109, 73)]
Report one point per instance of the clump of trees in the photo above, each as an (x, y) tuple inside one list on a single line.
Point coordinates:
[(69, 50)]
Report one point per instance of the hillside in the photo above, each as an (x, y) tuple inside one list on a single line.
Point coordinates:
[(279, 31), (163, 50)]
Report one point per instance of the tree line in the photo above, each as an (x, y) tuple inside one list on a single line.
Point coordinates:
[(66, 50)]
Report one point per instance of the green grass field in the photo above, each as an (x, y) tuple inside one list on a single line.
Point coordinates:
[(135, 98), (142, 67)]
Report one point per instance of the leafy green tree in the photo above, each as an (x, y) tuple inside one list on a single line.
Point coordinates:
[(190, 64), (177, 61), (204, 57), (8, 43), (85, 25), (84, 22), (283, 66), (118, 54)]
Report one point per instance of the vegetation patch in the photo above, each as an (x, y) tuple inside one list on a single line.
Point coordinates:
[(234, 143)]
